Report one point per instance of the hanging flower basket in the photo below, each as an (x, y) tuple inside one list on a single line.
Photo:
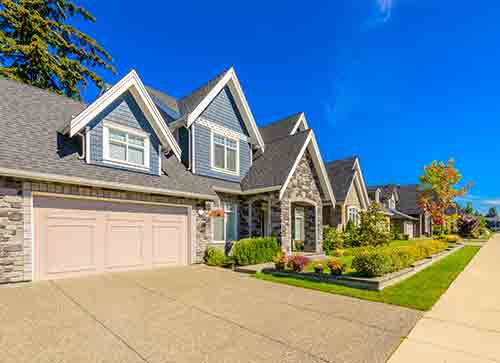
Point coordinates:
[(216, 213)]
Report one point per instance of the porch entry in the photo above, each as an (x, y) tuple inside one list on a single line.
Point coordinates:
[(303, 227)]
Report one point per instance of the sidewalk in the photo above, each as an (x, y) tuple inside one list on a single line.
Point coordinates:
[(464, 326)]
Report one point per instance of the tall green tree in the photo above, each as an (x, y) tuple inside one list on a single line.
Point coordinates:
[(39, 47), (438, 189), (468, 208)]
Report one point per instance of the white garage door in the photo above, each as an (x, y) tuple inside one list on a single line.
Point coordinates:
[(76, 237)]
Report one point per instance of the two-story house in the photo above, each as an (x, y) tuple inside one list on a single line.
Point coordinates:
[(349, 189), (138, 179), (389, 198)]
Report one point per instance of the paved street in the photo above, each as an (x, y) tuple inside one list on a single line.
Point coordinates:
[(192, 314), (464, 326)]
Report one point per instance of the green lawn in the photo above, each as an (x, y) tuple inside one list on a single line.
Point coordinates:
[(420, 291)]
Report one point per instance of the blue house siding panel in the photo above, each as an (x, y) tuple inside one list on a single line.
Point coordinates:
[(124, 111), (223, 111), (203, 164)]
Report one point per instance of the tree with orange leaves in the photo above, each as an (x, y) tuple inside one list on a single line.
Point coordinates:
[(438, 189)]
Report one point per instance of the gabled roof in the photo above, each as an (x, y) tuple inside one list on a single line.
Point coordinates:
[(31, 147), (344, 175), (386, 191), (132, 83), (284, 127), (194, 104), (276, 166), (408, 199)]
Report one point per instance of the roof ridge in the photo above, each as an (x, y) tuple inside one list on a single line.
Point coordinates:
[(287, 136), (218, 76), (353, 157), (282, 119)]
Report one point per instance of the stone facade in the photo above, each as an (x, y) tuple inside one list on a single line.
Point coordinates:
[(337, 217), (11, 232), (16, 209)]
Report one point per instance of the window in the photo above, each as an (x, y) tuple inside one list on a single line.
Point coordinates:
[(353, 215), (298, 234), (225, 154), (226, 228), (125, 146)]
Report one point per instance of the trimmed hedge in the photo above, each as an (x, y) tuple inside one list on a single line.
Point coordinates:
[(380, 261), (215, 257), (251, 251)]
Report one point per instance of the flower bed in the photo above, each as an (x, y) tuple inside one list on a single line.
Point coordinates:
[(372, 268)]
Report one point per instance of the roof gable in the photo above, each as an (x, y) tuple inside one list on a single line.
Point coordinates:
[(284, 127), (193, 105), (132, 83)]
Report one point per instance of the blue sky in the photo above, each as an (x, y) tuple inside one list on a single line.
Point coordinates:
[(397, 82)]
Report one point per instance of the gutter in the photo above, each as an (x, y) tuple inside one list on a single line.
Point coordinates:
[(249, 191), (100, 184)]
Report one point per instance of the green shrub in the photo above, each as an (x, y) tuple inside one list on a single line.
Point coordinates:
[(297, 245), (252, 251), (372, 263), (215, 257), (374, 229), (350, 236), (332, 240)]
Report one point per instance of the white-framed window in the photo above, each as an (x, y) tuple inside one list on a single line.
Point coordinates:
[(226, 228), (225, 154), (298, 234), (353, 215), (123, 145)]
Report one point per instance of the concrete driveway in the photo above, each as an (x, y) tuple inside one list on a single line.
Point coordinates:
[(192, 314)]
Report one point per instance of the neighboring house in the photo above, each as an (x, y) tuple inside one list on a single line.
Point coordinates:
[(139, 179), (349, 189), (389, 198), (408, 204)]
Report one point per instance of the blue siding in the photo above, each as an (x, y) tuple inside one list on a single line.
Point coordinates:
[(203, 154), (126, 112), (223, 111)]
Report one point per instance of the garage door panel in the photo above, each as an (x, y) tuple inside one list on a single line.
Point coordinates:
[(168, 251), (75, 237), (124, 245), (70, 248)]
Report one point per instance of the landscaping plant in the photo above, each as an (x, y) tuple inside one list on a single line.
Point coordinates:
[(318, 268), (215, 257), (374, 230), (336, 268), (469, 226), (280, 261), (297, 263), (333, 240), (252, 251), (351, 237)]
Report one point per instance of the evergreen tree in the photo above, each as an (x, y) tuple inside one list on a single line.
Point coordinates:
[(468, 208), (492, 212), (38, 47)]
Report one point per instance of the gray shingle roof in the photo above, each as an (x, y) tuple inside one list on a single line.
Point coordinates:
[(188, 103), (341, 174), (408, 199), (279, 129), (168, 100), (30, 118), (272, 167)]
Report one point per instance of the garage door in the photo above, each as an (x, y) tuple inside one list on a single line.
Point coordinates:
[(77, 237)]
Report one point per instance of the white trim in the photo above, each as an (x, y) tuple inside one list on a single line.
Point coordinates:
[(362, 183), (222, 130), (231, 80), (301, 121), (107, 159), (193, 148), (100, 184), (159, 159), (235, 205), (319, 164), (212, 161), (191, 237), (87, 144), (247, 192), (133, 83)]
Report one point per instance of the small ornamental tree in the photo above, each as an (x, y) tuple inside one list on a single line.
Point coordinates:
[(374, 230), (438, 189)]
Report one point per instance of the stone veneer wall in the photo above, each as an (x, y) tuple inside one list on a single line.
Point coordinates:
[(16, 208)]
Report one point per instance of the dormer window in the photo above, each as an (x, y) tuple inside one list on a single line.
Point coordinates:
[(123, 145), (225, 154)]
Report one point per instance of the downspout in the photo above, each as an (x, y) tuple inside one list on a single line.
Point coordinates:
[(84, 153)]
